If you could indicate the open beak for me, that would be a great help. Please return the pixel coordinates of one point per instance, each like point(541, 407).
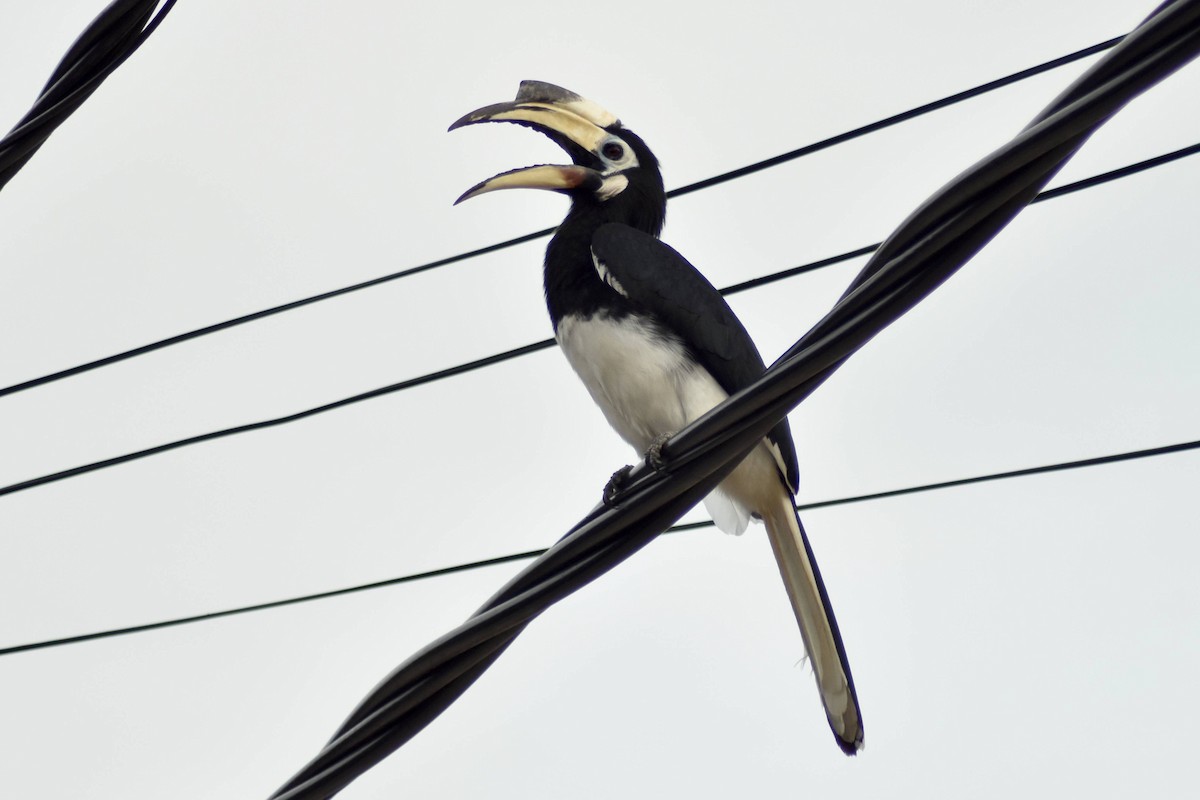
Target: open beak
point(575, 124)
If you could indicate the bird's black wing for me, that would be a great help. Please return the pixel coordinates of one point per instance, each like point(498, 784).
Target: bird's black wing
point(655, 277)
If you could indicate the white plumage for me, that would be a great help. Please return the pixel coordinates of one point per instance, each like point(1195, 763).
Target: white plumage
point(646, 385)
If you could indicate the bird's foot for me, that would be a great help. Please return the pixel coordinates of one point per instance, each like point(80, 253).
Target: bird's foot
point(654, 457)
point(615, 484)
point(654, 453)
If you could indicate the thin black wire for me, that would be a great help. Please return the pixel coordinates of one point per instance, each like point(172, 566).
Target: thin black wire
point(841, 138)
point(171, 623)
point(270, 423)
point(534, 347)
point(930, 246)
point(1063, 466)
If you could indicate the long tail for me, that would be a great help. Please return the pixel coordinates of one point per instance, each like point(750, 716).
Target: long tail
point(818, 627)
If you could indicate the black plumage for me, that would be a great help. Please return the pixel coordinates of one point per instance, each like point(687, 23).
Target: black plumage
point(657, 346)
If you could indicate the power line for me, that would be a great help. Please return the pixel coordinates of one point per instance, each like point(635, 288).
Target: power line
point(534, 347)
point(1114, 458)
point(171, 623)
point(841, 138)
point(1049, 194)
point(111, 38)
point(904, 116)
point(270, 423)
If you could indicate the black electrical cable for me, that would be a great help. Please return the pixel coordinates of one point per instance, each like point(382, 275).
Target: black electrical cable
point(1044, 469)
point(116, 33)
point(919, 256)
point(703, 184)
point(270, 423)
point(534, 347)
point(230, 612)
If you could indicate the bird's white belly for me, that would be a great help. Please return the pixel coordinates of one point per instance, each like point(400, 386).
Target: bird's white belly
point(643, 381)
point(647, 386)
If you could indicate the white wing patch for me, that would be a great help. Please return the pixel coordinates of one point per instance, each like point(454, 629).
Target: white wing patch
point(606, 276)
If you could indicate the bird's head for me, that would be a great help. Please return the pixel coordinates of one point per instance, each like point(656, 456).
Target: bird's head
point(612, 171)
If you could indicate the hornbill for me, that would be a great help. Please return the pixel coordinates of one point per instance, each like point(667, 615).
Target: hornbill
point(657, 346)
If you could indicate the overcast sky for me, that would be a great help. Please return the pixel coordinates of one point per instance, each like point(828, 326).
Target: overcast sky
point(1024, 638)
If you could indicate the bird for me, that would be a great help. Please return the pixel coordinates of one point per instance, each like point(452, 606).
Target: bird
point(657, 346)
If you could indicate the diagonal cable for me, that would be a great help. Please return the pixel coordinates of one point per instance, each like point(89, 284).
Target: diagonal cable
point(1044, 469)
point(534, 347)
point(116, 33)
point(774, 161)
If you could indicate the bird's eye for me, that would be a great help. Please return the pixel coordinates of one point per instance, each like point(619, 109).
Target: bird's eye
point(613, 151)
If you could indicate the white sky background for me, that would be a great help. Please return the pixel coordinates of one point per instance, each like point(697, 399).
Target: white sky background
point(1032, 637)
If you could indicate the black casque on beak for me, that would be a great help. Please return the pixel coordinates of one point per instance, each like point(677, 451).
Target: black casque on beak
point(579, 126)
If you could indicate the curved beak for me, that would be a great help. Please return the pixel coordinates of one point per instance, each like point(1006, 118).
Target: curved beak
point(555, 177)
point(573, 123)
